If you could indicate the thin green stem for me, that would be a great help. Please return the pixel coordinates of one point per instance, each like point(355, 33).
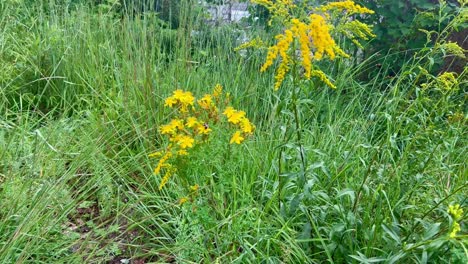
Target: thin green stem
point(297, 120)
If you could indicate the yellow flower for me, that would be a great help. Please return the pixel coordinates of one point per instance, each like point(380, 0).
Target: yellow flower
point(167, 129)
point(170, 170)
point(183, 200)
point(456, 211)
point(262, 2)
point(300, 30)
point(182, 152)
point(237, 138)
point(185, 141)
point(170, 101)
point(187, 99)
point(254, 43)
point(172, 127)
point(206, 102)
point(279, 8)
point(271, 56)
point(184, 98)
point(455, 229)
point(447, 80)
point(229, 111)
point(191, 122)
point(162, 162)
point(321, 75)
point(283, 47)
point(319, 32)
point(349, 6)
point(203, 129)
point(236, 117)
point(218, 90)
point(177, 123)
point(156, 154)
point(356, 29)
point(246, 126)
point(194, 188)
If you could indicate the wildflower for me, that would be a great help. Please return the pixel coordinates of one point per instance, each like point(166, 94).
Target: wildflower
point(271, 56)
point(312, 36)
point(452, 48)
point(170, 170)
point(194, 188)
point(457, 213)
point(184, 131)
point(254, 43)
point(237, 138)
point(279, 8)
point(182, 152)
point(203, 129)
point(172, 127)
point(167, 129)
point(185, 98)
point(236, 117)
point(321, 75)
point(185, 141)
point(455, 229)
point(191, 122)
point(218, 90)
point(246, 126)
point(170, 101)
point(162, 162)
point(229, 111)
point(447, 80)
point(183, 200)
point(156, 154)
point(350, 7)
point(206, 102)
point(319, 32)
point(283, 47)
point(300, 30)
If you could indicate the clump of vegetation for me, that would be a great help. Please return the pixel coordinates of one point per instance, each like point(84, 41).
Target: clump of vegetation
point(194, 126)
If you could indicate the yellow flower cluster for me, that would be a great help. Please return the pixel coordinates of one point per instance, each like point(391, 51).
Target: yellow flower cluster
point(452, 48)
point(245, 127)
point(355, 30)
point(314, 36)
point(180, 99)
point(445, 82)
point(278, 8)
point(457, 213)
point(254, 43)
point(457, 117)
point(193, 125)
point(350, 7)
point(163, 164)
point(321, 38)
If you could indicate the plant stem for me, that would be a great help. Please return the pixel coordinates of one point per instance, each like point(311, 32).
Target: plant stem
point(297, 122)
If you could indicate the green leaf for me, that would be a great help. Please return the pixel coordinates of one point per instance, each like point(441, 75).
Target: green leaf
point(391, 233)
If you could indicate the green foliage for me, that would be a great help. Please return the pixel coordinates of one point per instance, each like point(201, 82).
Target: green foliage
point(81, 100)
point(399, 28)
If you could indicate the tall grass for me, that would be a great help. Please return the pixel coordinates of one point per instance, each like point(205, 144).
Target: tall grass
point(81, 94)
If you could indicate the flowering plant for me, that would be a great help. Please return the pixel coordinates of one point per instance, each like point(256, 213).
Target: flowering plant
point(307, 36)
point(194, 124)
